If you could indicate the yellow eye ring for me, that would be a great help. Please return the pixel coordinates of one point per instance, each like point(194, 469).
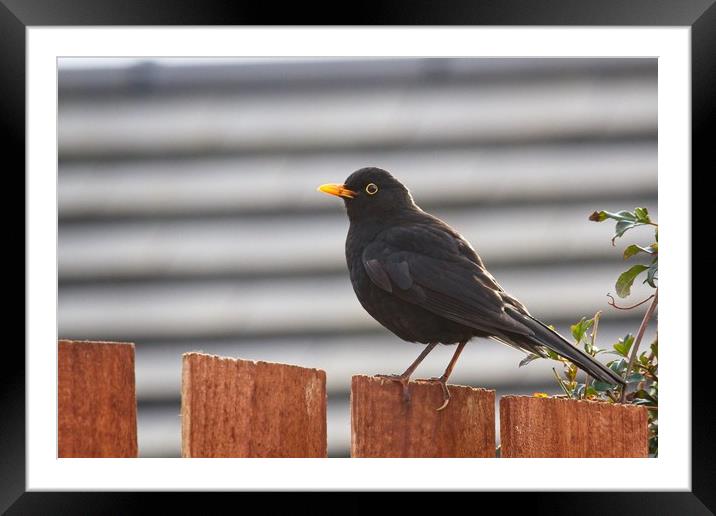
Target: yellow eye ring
point(371, 189)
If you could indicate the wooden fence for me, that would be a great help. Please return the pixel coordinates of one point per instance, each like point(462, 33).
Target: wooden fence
point(96, 405)
point(242, 408)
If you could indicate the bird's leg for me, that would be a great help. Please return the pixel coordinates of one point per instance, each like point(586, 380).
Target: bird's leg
point(405, 377)
point(448, 371)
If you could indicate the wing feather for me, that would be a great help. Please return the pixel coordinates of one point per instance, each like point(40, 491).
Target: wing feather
point(441, 281)
point(377, 274)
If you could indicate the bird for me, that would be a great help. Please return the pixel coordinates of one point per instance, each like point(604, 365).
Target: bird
point(423, 281)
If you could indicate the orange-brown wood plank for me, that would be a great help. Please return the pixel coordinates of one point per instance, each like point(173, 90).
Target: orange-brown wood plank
point(383, 424)
point(96, 403)
point(241, 408)
point(559, 427)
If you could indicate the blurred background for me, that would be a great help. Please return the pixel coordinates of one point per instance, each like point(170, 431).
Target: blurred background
point(189, 218)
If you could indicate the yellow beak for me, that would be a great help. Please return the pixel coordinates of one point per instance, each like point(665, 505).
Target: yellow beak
point(336, 189)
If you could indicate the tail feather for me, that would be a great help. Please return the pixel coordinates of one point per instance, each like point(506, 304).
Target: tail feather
point(544, 336)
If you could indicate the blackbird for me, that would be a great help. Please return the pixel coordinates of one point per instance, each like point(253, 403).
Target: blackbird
point(423, 281)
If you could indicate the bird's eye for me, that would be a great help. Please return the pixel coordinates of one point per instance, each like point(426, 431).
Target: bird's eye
point(371, 189)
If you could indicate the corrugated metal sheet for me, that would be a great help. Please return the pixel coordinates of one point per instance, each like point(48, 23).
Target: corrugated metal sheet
point(189, 218)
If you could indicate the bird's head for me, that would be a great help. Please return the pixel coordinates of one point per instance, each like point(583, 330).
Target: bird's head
point(371, 192)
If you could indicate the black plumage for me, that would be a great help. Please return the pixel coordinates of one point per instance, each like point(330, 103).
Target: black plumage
point(423, 281)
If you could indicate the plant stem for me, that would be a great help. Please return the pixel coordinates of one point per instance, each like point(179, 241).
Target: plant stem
point(613, 303)
point(649, 359)
point(637, 342)
point(559, 381)
point(594, 338)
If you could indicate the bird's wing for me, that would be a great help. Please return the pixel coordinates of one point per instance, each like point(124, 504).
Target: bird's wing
point(423, 265)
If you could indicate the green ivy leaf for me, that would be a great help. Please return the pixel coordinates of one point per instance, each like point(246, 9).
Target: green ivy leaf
point(626, 279)
point(643, 395)
point(551, 354)
point(590, 391)
point(598, 216)
point(529, 358)
point(590, 349)
point(636, 249)
point(624, 344)
point(600, 386)
point(580, 329)
point(625, 219)
point(642, 215)
point(636, 378)
point(571, 372)
point(618, 366)
point(622, 227)
point(579, 391)
point(624, 215)
point(652, 274)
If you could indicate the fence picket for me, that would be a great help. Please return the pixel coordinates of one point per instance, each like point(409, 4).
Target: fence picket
point(96, 402)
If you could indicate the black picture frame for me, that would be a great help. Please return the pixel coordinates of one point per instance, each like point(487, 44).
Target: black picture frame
point(700, 15)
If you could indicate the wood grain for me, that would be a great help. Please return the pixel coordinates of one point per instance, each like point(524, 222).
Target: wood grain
point(96, 404)
point(559, 427)
point(383, 424)
point(241, 408)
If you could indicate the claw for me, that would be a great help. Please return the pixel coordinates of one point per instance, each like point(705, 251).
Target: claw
point(446, 392)
point(446, 395)
point(403, 380)
point(445, 404)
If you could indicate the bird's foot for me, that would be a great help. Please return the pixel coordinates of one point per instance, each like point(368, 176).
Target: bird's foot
point(446, 392)
point(402, 379)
